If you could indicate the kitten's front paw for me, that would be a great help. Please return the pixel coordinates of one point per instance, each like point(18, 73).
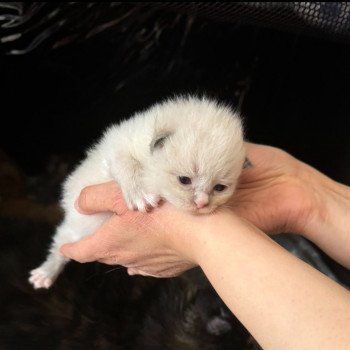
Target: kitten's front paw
point(142, 202)
point(152, 200)
point(40, 279)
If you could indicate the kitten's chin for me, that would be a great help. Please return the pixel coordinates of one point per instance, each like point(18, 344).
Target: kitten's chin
point(192, 208)
point(203, 211)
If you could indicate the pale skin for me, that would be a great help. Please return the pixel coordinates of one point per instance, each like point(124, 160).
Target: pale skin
point(283, 302)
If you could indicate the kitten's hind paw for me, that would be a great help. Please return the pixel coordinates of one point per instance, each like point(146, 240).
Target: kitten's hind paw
point(39, 279)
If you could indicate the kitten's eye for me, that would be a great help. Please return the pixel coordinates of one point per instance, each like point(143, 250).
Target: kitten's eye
point(219, 187)
point(185, 180)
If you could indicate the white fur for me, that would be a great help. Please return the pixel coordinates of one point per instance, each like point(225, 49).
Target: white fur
point(202, 140)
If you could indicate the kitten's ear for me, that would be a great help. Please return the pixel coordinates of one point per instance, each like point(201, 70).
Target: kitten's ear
point(247, 164)
point(158, 141)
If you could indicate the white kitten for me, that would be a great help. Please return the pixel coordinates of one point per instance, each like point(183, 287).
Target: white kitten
point(187, 151)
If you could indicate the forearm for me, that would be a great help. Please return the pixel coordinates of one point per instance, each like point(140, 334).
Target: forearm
point(282, 301)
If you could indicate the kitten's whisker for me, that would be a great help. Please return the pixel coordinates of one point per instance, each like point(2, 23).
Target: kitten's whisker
point(111, 270)
point(116, 268)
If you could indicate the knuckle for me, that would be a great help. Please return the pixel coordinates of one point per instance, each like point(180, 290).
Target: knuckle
point(119, 258)
point(118, 205)
point(127, 259)
point(108, 254)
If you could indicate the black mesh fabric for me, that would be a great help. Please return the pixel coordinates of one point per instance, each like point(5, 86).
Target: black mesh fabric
point(319, 18)
point(25, 26)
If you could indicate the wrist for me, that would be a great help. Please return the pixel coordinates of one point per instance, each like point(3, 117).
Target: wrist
point(328, 226)
point(189, 234)
point(331, 203)
point(182, 232)
point(210, 232)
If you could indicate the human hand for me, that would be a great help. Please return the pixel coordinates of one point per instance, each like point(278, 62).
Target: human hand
point(271, 194)
point(142, 242)
point(276, 192)
point(282, 194)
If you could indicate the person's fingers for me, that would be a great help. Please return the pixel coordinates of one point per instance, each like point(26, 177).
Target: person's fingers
point(93, 247)
point(82, 251)
point(101, 198)
point(160, 270)
point(133, 271)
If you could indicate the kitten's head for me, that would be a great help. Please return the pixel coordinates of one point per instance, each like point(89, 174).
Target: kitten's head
point(197, 164)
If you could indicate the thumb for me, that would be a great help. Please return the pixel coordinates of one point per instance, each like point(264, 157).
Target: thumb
point(82, 251)
point(94, 246)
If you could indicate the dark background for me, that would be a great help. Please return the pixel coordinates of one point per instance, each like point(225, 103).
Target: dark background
point(292, 89)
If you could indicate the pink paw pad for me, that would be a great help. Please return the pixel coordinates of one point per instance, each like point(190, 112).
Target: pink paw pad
point(39, 279)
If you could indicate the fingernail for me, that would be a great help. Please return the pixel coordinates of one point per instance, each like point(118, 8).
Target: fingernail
point(77, 208)
point(131, 272)
point(76, 205)
point(61, 250)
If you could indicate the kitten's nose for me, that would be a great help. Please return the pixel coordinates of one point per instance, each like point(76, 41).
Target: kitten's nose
point(201, 200)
